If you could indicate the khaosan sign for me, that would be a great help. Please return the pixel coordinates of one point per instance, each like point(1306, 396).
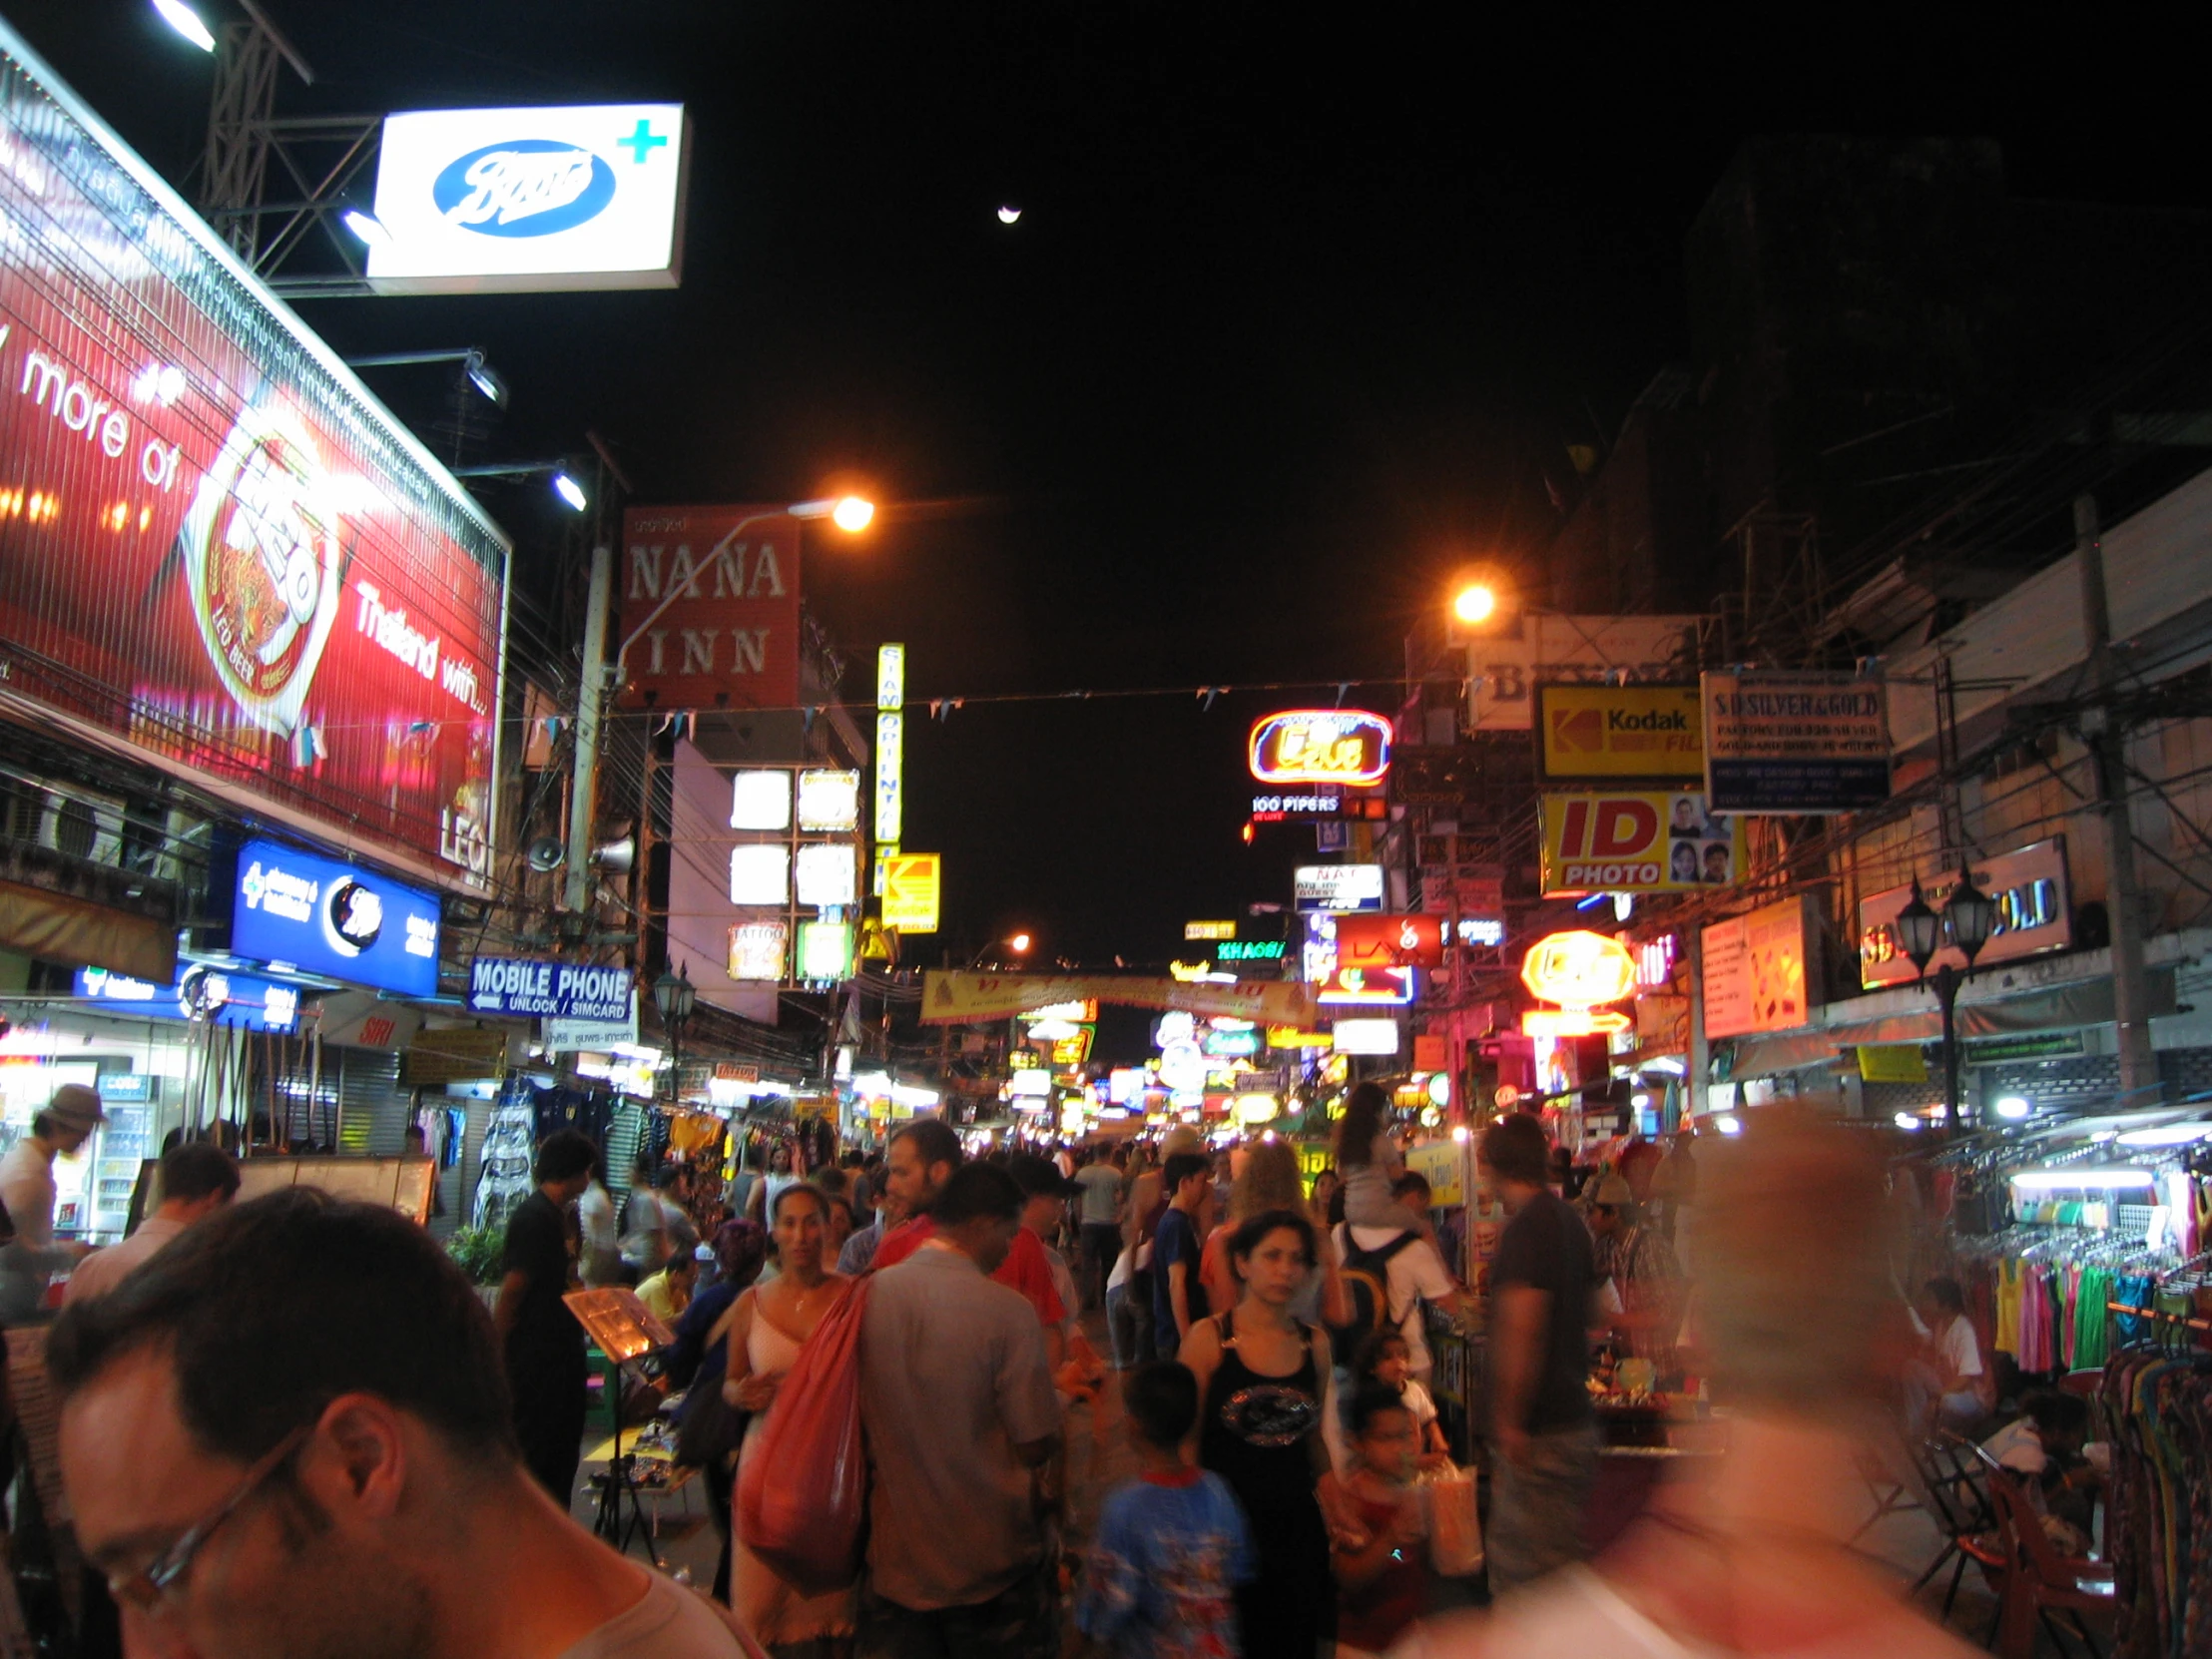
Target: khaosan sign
point(216, 551)
point(2028, 887)
point(523, 987)
point(1656, 840)
point(729, 637)
point(1796, 743)
point(517, 201)
point(1344, 747)
point(1606, 733)
point(297, 910)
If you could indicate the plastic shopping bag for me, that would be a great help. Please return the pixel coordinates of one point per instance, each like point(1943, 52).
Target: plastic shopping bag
point(802, 1500)
point(1454, 1528)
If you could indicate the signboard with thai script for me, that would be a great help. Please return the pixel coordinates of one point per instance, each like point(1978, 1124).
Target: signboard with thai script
point(729, 638)
point(200, 991)
point(1594, 734)
point(217, 550)
point(1651, 841)
point(530, 989)
point(1796, 743)
point(516, 200)
point(573, 1036)
point(2028, 887)
point(956, 998)
point(1761, 971)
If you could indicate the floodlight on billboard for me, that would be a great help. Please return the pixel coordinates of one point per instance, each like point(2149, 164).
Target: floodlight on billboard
point(517, 201)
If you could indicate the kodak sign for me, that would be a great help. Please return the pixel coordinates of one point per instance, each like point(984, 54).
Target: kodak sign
point(1597, 732)
point(1658, 840)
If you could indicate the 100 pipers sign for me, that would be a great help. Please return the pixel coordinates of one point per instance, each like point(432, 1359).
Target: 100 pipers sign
point(214, 549)
point(729, 635)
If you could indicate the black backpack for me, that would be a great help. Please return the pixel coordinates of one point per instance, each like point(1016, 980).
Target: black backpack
point(1366, 1282)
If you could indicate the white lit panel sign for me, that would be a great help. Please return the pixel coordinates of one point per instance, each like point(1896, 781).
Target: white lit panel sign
point(1339, 886)
point(829, 800)
point(519, 201)
point(761, 801)
point(1364, 1036)
point(760, 875)
point(829, 874)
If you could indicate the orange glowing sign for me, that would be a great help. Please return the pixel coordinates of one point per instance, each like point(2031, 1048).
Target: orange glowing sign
point(1572, 1022)
point(1321, 745)
point(1579, 969)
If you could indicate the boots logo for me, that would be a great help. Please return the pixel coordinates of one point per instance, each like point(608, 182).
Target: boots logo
point(261, 553)
point(524, 188)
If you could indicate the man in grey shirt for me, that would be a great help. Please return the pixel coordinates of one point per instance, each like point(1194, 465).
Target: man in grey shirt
point(957, 1399)
point(285, 1434)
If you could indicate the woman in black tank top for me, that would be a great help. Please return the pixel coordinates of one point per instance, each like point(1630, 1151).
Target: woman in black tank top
point(1264, 1377)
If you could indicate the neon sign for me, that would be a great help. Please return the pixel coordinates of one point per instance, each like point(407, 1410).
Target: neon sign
point(1321, 745)
point(1580, 971)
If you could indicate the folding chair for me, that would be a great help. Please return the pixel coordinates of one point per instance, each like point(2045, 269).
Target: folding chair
point(2041, 1581)
point(1957, 1498)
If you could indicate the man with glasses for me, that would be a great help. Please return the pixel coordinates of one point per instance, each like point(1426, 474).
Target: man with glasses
point(288, 1433)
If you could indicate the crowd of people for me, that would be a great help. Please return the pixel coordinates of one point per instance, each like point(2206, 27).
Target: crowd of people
point(291, 1426)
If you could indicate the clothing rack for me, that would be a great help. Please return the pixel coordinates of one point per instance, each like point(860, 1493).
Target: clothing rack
point(2159, 1316)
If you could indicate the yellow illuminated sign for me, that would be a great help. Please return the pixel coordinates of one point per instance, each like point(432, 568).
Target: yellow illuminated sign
point(1608, 732)
point(1290, 1037)
point(1572, 1022)
point(1579, 969)
point(1209, 930)
point(913, 888)
point(1321, 745)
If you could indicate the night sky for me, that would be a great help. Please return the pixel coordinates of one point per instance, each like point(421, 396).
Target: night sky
point(1296, 318)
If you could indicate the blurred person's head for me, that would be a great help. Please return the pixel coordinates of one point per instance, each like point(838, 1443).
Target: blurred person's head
point(1270, 1181)
point(564, 1164)
point(1940, 1302)
point(1797, 1317)
point(1383, 1356)
point(922, 1157)
point(1517, 1158)
point(979, 1212)
point(1273, 1255)
point(66, 1121)
point(1189, 1180)
point(1365, 1109)
point(741, 1251)
point(1380, 1432)
point(198, 1177)
point(780, 1158)
point(682, 1270)
point(1613, 1208)
point(1412, 1192)
point(1637, 1164)
point(798, 1221)
point(1044, 1192)
point(2061, 1420)
point(1161, 1400)
point(325, 1363)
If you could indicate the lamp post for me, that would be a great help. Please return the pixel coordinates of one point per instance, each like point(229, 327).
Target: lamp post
point(674, 996)
point(1964, 923)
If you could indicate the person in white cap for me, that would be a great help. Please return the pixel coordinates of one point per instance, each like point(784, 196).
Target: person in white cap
point(27, 1190)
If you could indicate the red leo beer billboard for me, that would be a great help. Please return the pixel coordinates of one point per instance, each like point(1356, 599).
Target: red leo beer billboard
point(214, 549)
point(716, 592)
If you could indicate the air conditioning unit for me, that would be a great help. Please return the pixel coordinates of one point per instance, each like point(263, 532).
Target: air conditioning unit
point(82, 824)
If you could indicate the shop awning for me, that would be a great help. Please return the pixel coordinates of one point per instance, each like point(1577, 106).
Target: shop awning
point(82, 935)
point(2058, 995)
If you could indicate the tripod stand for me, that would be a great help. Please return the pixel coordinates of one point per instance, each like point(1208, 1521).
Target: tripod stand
point(609, 1520)
point(626, 1332)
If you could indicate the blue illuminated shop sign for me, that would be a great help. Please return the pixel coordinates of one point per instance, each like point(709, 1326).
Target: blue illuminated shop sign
point(221, 996)
point(297, 910)
point(526, 987)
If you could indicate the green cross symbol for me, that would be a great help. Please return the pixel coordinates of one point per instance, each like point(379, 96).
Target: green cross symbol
point(643, 142)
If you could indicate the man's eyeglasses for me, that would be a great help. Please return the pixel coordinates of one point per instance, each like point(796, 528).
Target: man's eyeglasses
point(1602, 1208)
point(161, 1576)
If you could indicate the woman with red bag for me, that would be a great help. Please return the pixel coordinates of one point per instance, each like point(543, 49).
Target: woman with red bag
point(769, 1323)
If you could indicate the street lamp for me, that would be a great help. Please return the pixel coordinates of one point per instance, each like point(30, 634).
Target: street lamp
point(1964, 923)
point(186, 22)
point(1479, 595)
point(1018, 943)
point(481, 375)
point(674, 996)
point(564, 483)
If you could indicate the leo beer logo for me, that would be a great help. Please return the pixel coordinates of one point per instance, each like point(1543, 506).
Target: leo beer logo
point(261, 557)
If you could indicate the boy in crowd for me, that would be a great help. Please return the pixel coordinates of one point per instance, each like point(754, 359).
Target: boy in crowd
point(1171, 1545)
point(1382, 1570)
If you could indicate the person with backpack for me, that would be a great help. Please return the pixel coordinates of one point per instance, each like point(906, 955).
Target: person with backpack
point(1386, 1273)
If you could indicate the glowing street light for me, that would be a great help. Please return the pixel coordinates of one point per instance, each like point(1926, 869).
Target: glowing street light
point(570, 491)
point(366, 227)
point(1476, 602)
point(850, 513)
point(186, 22)
point(1019, 944)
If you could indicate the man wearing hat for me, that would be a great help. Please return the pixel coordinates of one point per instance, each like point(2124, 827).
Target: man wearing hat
point(1643, 1270)
point(27, 1190)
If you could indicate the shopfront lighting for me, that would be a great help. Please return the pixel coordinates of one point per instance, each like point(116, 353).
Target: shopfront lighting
point(2083, 1180)
point(186, 22)
point(570, 491)
point(1906, 1120)
point(2011, 1106)
point(2168, 1134)
point(366, 227)
point(1729, 1125)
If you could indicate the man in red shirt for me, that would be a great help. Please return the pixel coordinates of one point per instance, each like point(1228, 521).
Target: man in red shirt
point(920, 1159)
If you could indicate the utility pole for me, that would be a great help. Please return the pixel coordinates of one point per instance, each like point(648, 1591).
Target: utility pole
point(2108, 750)
point(591, 687)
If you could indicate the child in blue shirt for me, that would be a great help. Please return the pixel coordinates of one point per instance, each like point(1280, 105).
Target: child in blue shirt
point(1171, 1545)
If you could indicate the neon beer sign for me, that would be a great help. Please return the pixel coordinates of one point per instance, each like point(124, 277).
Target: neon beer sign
point(1321, 745)
point(1580, 971)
